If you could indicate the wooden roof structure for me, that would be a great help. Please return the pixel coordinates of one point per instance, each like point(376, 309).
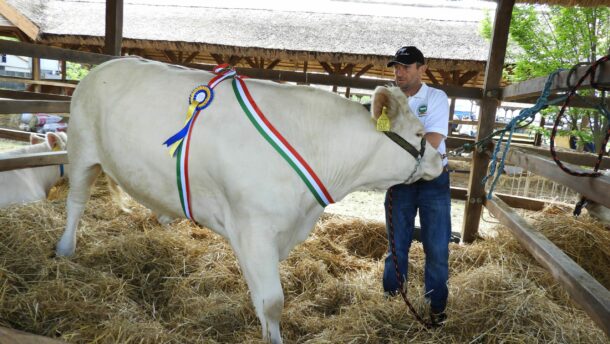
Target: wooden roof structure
point(315, 42)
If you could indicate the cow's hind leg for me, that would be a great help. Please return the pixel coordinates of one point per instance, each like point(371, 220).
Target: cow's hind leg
point(259, 262)
point(81, 179)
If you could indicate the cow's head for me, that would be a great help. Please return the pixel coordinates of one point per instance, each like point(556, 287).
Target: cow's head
point(51, 142)
point(407, 126)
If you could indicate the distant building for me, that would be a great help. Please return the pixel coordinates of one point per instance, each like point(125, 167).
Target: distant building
point(21, 67)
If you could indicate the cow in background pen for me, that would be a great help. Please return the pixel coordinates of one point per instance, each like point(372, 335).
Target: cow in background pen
point(31, 184)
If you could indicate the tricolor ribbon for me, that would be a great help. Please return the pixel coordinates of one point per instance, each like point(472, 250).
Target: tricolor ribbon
point(280, 144)
point(200, 98)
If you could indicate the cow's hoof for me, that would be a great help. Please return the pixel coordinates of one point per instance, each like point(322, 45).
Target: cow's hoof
point(64, 249)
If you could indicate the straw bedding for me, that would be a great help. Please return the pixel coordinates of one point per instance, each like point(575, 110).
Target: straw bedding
point(134, 281)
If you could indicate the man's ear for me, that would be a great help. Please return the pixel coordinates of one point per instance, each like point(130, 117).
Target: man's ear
point(36, 139)
point(383, 97)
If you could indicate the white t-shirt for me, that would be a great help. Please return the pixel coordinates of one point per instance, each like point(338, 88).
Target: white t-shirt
point(431, 106)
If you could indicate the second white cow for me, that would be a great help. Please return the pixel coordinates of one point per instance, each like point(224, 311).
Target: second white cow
point(241, 187)
point(31, 184)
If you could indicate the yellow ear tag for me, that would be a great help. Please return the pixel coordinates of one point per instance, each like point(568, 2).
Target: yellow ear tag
point(383, 122)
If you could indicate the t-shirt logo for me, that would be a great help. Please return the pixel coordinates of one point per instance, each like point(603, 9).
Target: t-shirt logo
point(422, 110)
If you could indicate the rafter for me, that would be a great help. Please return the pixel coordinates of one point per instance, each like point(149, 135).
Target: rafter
point(467, 76)
point(432, 77)
point(363, 70)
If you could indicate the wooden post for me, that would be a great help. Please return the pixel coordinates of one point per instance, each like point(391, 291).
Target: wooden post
point(114, 27)
point(64, 76)
point(538, 136)
point(487, 118)
point(36, 73)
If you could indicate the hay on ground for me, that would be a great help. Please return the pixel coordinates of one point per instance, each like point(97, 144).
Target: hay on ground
point(134, 281)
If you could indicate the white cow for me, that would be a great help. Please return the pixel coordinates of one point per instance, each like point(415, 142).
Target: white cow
point(31, 184)
point(124, 110)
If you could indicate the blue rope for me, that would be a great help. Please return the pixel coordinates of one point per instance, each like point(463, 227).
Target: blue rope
point(496, 167)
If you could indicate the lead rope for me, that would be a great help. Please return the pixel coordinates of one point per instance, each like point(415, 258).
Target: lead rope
point(601, 108)
point(403, 293)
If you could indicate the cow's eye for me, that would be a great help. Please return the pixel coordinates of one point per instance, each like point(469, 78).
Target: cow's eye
point(420, 134)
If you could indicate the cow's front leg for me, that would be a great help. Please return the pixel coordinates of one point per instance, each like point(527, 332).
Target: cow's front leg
point(258, 258)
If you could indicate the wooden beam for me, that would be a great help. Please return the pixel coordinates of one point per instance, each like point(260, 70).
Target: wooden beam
point(363, 70)
point(572, 157)
point(582, 287)
point(432, 77)
point(586, 102)
point(31, 95)
point(487, 118)
point(340, 80)
point(453, 142)
point(171, 56)
point(234, 60)
point(526, 203)
point(19, 20)
point(16, 135)
point(496, 124)
point(218, 58)
point(46, 106)
point(533, 87)
point(190, 58)
point(251, 62)
point(273, 64)
point(594, 188)
point(114, 27)
point(467, 77)
point(37, 50)
point(33, 160)
point(446, 77)
point(327, 68)
point(36, 82)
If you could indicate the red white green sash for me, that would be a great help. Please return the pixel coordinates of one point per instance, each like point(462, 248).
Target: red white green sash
point(201, 98)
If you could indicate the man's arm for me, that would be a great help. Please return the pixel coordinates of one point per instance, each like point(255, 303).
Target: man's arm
point(435, 139)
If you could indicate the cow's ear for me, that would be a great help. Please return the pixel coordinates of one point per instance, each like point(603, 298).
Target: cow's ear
point(36, 139)
point(383, 97)
point(54, 141)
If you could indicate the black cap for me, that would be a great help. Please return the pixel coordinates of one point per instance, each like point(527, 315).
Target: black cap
point(407, 56)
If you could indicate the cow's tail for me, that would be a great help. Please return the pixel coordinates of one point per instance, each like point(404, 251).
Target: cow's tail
point(118, 195)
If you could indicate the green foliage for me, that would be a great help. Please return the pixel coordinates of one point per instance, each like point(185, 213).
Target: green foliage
point(549, 38)
point(543, 39)
point(7, 38)
point(76, 71)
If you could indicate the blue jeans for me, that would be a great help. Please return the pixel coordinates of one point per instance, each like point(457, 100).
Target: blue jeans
point(433, 200)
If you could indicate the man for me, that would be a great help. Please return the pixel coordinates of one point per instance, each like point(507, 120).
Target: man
point(431, 198)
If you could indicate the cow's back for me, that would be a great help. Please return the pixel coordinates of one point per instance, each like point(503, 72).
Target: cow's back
point(125, 109)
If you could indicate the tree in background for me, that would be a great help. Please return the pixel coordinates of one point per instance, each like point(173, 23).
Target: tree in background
point(546, 38)
point(76, 71)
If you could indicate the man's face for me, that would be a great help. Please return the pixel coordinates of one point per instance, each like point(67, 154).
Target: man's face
point(408, 76)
